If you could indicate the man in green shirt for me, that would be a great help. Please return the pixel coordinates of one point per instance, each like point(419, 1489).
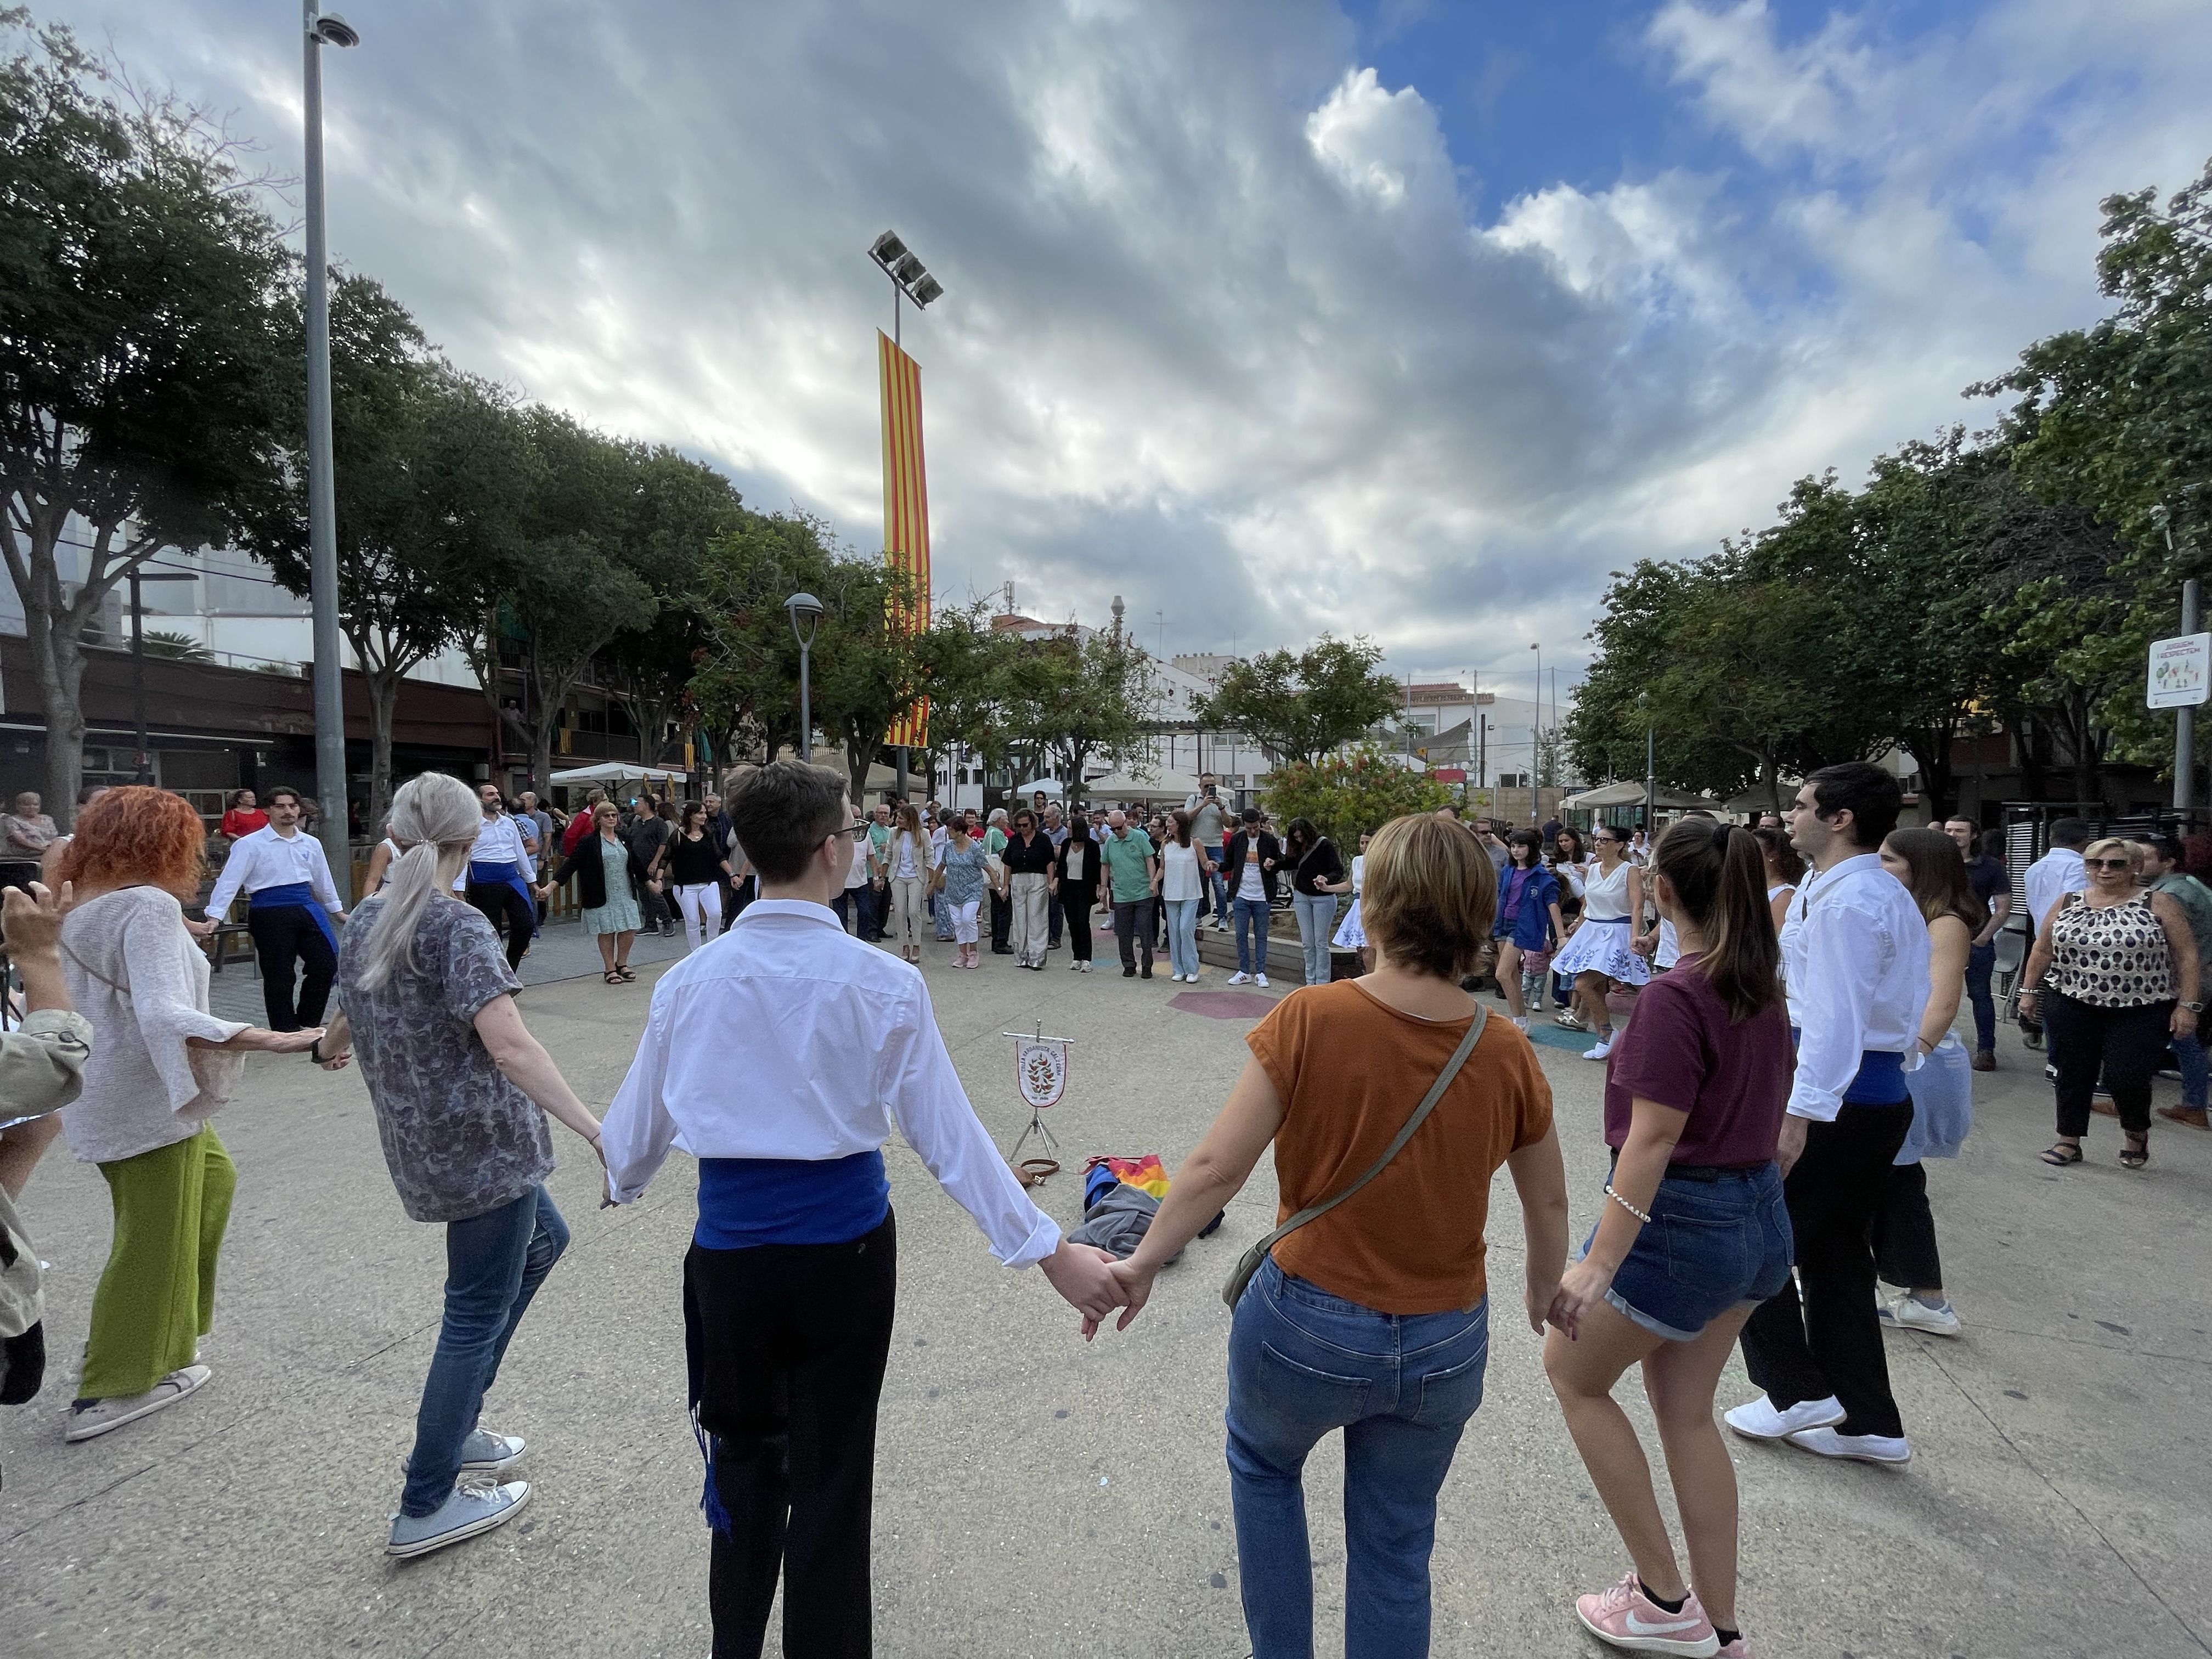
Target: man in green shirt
point(2161, 870)
point(1132, 874)
point(879, 873)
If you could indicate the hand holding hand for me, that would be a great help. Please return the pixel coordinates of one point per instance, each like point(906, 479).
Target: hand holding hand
point(200, 929)
point(1079, 1272)
point(1792, 1144)
point(1578, 1290)
point(32, 921)
point(254, 1039)
point(1135, 1284)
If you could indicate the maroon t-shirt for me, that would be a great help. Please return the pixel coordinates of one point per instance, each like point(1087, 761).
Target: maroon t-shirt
point(1681, 1051)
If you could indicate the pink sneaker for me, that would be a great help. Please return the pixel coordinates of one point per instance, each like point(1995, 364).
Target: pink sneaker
point(1738, 1648)
point(1623, 1617)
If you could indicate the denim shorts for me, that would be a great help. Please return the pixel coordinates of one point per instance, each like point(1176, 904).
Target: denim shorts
point(1709, 1246)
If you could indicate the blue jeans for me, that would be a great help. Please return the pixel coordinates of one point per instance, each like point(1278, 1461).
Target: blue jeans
point(1252, 915)
point(2195, 1069)
point(1301, 1363)
point(1981, 962)
point(494, 1263)
point(1220, 886)
point(1316, 914)
point(1182, 935)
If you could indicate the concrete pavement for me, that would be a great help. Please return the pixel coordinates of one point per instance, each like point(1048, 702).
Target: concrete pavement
point(1038, 1496)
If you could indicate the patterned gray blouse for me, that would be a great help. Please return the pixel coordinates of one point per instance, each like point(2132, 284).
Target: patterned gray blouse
point(460, 1138)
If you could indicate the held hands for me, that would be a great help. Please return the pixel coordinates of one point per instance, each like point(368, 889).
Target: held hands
point(1080, 1273)
point(255, 1040)
point(1581, 1288)
point(1135, 1285)
point(1791, 1147)
point(200, 929)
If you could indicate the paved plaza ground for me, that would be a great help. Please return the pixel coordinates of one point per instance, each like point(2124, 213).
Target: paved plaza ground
point(1038, 1496)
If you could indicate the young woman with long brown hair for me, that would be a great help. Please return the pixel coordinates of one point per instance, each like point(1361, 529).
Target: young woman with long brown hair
point(1693, 1234)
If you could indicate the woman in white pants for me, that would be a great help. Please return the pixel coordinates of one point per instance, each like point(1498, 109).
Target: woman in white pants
point(909, 863)
point(699, 869)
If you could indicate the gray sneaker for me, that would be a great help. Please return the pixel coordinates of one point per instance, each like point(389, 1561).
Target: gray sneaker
point(96, 1418)
point(476, 1504)
point(486, 1453)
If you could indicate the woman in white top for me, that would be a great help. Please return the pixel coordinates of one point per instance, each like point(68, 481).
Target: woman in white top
point(1606, 947)
point(161, 1064)
point(909, 861)
point(1350, 935)
point(1785, 868)
point(1186, 874)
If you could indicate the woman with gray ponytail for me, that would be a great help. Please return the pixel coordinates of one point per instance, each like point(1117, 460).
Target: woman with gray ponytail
point(1692, 1234)
point(461, 1091)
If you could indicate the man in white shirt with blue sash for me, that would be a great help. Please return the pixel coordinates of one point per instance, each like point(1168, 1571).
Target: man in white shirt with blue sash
point(500, 870)
point(286, 882)
point(1855, 964)
point(777, 1053)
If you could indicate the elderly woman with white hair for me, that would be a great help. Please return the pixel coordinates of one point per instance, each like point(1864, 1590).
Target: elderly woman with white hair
point(461, 1091)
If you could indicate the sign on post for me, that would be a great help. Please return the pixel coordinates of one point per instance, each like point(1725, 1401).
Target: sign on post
point(2180, 672)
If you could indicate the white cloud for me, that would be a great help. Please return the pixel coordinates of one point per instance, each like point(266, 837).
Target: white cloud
point(1218, 333)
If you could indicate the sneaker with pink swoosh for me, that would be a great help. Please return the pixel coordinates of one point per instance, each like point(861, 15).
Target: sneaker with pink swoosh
point(1625, 1617)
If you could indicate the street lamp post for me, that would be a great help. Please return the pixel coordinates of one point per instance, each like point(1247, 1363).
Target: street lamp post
point(142, 769)
point(910, 280)
point(318, 31)
point(1536, 740)
point(805, 616)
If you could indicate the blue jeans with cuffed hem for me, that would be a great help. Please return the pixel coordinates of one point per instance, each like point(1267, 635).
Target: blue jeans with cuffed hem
point(1300, 1364)
point(1251, 919)
point(1981, 963)
point(494, 1263)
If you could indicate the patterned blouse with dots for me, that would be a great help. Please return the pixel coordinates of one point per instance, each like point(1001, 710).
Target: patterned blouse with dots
point(2116, 957)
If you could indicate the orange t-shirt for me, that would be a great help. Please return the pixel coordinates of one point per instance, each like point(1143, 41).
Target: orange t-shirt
point(1350, 1070)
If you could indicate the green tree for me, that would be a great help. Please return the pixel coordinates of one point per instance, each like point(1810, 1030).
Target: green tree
point(1076, 697)
point(1299, 707)
point(146, 328)
point(1344, 794)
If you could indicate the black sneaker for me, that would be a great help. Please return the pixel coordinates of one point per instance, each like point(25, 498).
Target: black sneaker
point(1131, 973)
point(1148, 973)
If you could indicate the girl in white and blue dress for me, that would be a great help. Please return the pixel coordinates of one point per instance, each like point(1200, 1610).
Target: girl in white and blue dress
point(1605, 948)
point(1350, 935)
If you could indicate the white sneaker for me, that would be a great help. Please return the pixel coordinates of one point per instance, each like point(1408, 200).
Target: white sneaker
point(1757, 1420)
point(1604, 1047)
point(1076, 967)
point(1086, 967)
point(1910, 1313)
point(1240, 978)
point(1259, 979)
point(1521, 1023)
point(1860, 1447)
point(90, 1422)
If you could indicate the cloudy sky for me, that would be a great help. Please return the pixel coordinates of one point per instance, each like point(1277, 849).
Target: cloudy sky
point(1272, 316)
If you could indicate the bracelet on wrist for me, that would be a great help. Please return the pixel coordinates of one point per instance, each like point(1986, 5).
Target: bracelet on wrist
point(1641, 1215)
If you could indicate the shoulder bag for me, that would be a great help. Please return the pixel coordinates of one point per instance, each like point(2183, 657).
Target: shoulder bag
point(1249, 1263)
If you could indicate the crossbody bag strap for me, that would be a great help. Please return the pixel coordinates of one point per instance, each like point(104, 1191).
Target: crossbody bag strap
point(1259, 1252)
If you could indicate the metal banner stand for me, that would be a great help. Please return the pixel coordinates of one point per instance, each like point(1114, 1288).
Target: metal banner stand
point(1041, 1074)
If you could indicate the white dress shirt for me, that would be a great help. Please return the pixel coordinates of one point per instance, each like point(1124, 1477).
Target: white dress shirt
point(266, 859)
point(500, 842)
point(1855, 965)
point(789, 1038)
point(2051, 878)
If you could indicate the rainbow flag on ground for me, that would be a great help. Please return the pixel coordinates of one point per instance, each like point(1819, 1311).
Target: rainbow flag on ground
point(1146, 1174)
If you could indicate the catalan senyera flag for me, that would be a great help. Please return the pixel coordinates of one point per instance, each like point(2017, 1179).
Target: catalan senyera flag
point(906, 510)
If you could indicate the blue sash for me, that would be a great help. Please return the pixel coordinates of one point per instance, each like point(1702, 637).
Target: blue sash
point(506, 875)
point(1879, 1080)
point(300, 893)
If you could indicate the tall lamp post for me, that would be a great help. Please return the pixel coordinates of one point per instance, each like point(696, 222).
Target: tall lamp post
point(805, 616)
point(320, 29)
point(142, 769)
point(1536, 738)
point(910, 280)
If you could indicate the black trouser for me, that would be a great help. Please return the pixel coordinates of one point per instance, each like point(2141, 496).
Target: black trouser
point(1002, 919)
point(497, 900)
point(1831, 1343)
point(283, 934)
point(1054, 913)
point(1076, 911)
point(792, 1342)
point(741, 895)
point(1133, 930)
point(1905, 1232)
point(2126, 1044)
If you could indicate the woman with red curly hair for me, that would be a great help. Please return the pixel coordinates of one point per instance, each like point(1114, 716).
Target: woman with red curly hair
point(160, 1065)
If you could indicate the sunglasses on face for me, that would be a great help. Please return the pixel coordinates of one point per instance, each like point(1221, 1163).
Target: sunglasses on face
point(2110, 864)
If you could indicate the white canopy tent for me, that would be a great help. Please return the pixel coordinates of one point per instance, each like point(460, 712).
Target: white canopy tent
point(1176, 787)
point(619, 771)
point(1627, 793)
point(1050, 786)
